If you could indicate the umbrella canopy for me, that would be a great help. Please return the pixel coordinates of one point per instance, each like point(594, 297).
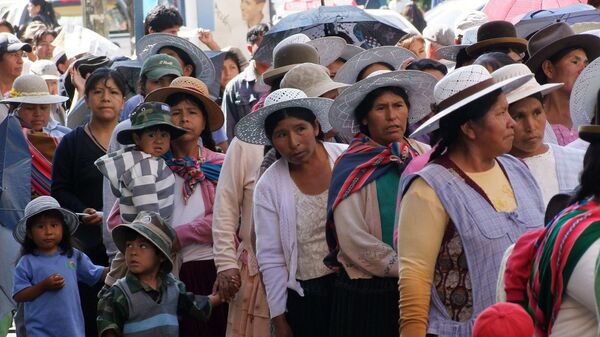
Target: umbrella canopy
point(533, 22)
point(363, 28)
point(217, 58)
point(508, 10)
point(15, 172)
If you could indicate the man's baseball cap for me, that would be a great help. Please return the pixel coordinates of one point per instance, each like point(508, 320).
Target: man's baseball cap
point(159, 65)
point(10, 44)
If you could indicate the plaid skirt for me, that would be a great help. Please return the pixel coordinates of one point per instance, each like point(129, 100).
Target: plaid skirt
point(365, 307)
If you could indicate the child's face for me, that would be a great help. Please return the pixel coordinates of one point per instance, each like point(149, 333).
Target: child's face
point(47, 233)
point(154, 142)
point(141, 257)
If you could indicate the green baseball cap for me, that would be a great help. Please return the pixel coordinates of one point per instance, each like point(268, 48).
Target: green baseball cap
point(146, 115)
point(159, 65)
point(154, 229)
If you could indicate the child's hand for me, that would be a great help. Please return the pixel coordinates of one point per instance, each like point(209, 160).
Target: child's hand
point(54, 282)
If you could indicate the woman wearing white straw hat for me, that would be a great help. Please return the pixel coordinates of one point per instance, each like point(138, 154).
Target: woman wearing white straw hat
point(585, 99)
point(31, 102)
point(362, 197)
point(557, 54)
point(555, 168)
point(472, 201)
point(289, 210)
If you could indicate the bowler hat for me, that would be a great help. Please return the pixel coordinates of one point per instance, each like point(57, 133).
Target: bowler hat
point(496, 34)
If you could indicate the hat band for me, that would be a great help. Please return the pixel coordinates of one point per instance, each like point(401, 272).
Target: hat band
point(459, 96)
point(15, 93)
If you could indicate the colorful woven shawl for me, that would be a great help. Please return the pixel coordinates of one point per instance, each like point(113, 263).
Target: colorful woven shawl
point(557, 252)
point(363, 162)
point(42, 148)
point(194, 171)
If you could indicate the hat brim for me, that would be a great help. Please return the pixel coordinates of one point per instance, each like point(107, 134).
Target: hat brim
point(542, 89)
point(417, 84)
point(589, 43)
point(125, 136)
point(151, 44)
point(271, 75)
point(393, 56)
point(46, 99)
point(449, 52)
point(71, 221)
point(589, 133)
point(584, 95)
point(50, 77)
point(213, 111)
point(251, 128)
point(118, 236)
point(350, 51)
point(515, 43)
point(330, 48)
point(324, 88)
point(19, 46)
point(508, 85)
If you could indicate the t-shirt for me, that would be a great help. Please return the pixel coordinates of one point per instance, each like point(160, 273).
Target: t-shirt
point(543, 169)
point(55, 312)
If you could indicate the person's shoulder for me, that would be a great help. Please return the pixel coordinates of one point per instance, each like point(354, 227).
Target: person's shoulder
point(212, 155)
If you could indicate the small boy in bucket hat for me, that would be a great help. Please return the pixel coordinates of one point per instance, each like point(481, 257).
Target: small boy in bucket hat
point(138, 175)
point(149, 299)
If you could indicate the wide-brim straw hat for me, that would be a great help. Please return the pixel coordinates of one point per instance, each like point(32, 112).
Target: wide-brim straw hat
point(311, 78)
point(418, 86)
point(194, 87)
point(287, 57)
point(584, 95)
point(153, 228)
point(39, 205)
point(496, 34)
point(251, 128)
point(330, 48)
point(461, 87)
point(530, 87)
point(554, 38)
point(32, 89)
point(450, 52)
point(393, 56)
point(151, 44)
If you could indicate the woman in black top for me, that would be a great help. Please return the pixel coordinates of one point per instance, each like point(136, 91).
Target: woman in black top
point(77, 184)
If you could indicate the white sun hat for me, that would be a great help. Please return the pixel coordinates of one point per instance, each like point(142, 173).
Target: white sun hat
point(311, 78)
point(529, 88)
point(394, 56)
point(32, 89)
point(45, 69)
point(461, 87)
point(584, 95)
point(251, 128)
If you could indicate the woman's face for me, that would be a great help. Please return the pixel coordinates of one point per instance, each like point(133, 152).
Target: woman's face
point(567, 69)
point(495, 132)
point(105, 100)
point(34, 116)
point(189, 116)
point(530, 122)
point(33, 10)
point(295, 139)
point(230, 70)
point(387, 119)
point(418, 48)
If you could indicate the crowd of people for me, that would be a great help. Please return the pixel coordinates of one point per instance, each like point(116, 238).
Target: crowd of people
point(445, 186)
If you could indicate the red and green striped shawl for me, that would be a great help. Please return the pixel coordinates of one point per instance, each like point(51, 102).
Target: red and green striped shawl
point(556, 254)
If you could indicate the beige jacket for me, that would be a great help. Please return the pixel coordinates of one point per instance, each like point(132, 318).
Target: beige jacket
point(232, 211)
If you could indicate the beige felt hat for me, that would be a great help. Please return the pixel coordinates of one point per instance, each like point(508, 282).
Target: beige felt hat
point(288, 56)
point(311, 78)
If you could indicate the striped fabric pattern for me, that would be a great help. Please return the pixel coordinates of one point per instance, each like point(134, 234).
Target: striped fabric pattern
point(41, 165)
point(362, 163)
point(140, 181)
point(557, 253)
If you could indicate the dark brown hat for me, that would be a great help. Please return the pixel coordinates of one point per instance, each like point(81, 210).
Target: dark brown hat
point(496, 34)
point(554, 38)
point(289, 56)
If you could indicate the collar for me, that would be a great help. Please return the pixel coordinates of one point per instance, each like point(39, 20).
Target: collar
point(249, 74)
point(136, 285)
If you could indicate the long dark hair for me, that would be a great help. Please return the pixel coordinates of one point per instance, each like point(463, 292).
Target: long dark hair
point(362, 110)
point(105, 74)
point(589, 181)
point(29, 247)
point(449, 131)
point(46, 10)
point(206, 135)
